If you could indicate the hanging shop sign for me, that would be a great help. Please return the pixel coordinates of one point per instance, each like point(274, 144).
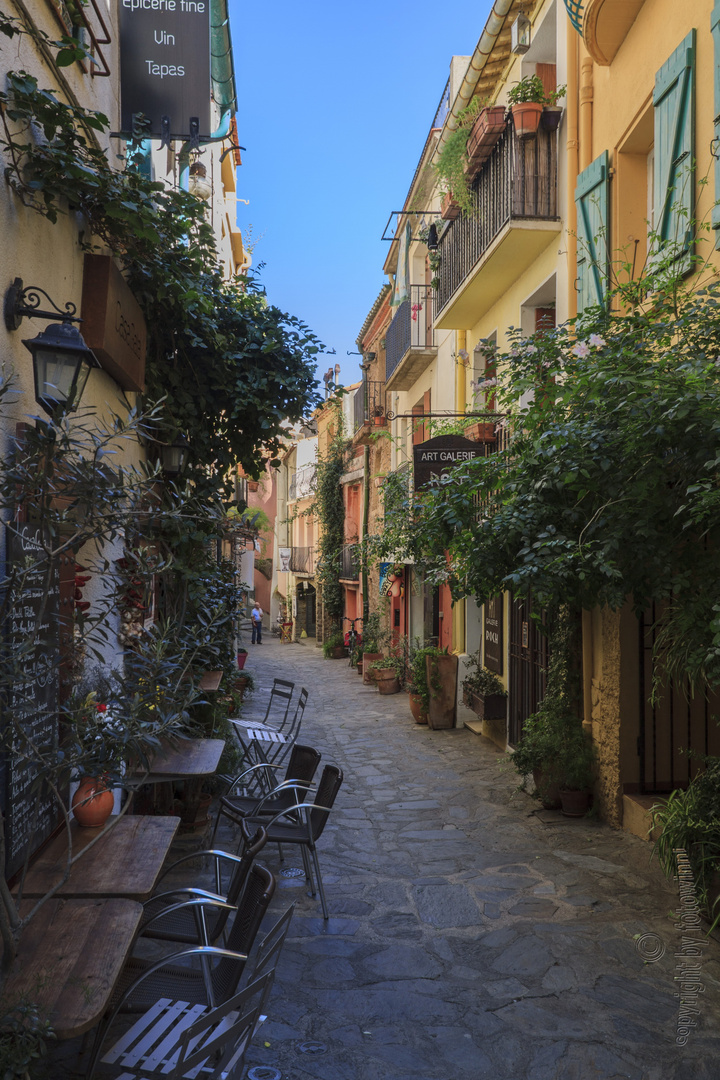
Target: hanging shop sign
point(165, 66)
point(433, 459)
point(113, 323)
point(493, 635)
point(285, 554)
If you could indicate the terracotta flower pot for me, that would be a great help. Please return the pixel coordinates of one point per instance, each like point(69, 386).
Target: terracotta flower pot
point(486, 131)
point(92, 803)
point(387, 681)
point(547, 789)
point(418, 709)
point(526, 118)
point(241, 658)
point(449, 209)
point(442, 670)
point(368, 659)
point(483, 431)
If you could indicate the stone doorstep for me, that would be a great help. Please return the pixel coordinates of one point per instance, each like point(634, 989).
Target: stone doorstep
point(636, 814)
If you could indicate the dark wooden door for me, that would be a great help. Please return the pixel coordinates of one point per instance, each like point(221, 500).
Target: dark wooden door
point(528, 667)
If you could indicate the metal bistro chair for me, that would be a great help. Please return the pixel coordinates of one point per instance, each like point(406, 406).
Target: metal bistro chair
point(277, 754)
point(305, 824)
point(176, 1040)
point(301, 769)
point(161, 1042)
point(282, 691)
point(167, 918)
point(142, 983)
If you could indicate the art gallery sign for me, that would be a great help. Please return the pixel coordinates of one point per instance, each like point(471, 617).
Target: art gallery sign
point(165, 66)
point(433, 459)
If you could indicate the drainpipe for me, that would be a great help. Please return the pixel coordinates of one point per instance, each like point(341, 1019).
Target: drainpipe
point(573, 44)
point(586, 112)
point(459, 612)
point(478, 60)
point(217, 136)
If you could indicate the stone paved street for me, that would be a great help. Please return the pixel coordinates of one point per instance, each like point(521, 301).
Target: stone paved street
point(467, 938)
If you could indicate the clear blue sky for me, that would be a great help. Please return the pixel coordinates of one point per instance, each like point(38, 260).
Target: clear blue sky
point(335, 102)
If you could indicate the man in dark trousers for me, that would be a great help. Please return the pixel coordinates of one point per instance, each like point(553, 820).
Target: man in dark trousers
point(256, 616)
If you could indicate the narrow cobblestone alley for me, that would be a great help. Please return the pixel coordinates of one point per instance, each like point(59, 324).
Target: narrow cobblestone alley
point(467, 939)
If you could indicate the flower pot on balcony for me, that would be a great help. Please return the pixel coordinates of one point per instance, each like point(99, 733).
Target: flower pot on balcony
point(551, 117)
point(526, 118)
point(486, 131)
point(253, 485)
point(379, 421)
point(449, 209)
point(483, 431)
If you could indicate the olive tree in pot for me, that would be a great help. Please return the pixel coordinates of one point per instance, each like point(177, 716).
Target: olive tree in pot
point(441, 669)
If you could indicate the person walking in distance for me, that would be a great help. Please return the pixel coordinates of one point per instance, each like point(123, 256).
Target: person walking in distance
point(256, 616)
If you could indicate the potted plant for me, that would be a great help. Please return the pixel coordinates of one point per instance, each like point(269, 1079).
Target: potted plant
point(527, 99)
point(689, 820)
point(449, 208)
point(334, 646)
point(485, 132)
point(93, 801)
point(484, 693)
point(372, 637)
point(576, 768)
point(552, 113)
point(441, 669)
point(416, 683)
point(389, 674)
point(481, 431)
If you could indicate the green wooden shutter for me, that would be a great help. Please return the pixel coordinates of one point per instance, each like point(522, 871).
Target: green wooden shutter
point(715, 29)
point(674, 101)
point(592, 198)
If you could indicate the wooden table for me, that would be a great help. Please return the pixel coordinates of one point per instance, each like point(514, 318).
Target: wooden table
point(70, 957)
point(178, 761)
point(126, 862)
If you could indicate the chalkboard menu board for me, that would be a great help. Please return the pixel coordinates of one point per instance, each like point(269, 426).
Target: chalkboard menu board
point(494, 644)
point(31, 634)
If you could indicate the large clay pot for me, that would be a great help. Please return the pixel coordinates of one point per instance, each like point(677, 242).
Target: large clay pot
point(575, 803)
point(92, 803)
point(387, 681)
point(418, 709)
point(547, 788)
point(368, 659)
point(442, 670)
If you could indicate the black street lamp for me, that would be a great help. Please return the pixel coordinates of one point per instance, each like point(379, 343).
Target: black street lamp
point(61, 360)
point(173, 456)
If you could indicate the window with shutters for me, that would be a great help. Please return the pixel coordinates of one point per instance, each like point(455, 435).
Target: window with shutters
point(592, 200)
point(674, 124)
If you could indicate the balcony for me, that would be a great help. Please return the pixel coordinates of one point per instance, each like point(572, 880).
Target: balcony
point(302, 483)
point(604, 25)
point(350, 568)
point(514, 219)
point(302, 560)
point(369, 409)
point(410, 340)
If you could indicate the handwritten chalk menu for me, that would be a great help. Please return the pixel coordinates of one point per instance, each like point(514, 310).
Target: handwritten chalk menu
point(32, 635)
point(165, 65)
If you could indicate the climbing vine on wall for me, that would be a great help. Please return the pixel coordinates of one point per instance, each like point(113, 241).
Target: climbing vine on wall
point(330, 509)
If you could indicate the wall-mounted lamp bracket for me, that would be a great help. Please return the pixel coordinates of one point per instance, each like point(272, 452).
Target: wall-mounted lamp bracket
point(21, 303)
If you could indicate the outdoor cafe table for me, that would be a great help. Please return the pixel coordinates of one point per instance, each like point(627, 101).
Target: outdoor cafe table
point(180, 761)
point(69, 958)
point(126, 862)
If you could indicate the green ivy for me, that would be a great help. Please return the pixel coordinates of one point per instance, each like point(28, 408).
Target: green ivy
point(330, 509)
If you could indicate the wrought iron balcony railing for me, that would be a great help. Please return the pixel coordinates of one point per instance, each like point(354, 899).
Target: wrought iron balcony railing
point(369, 403)
point(302, 483)
point(518, 181)
point(351, 562)
point(302, 560)
point(411, 328)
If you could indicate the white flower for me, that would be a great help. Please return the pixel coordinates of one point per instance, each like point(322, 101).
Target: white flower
point(486, 384)
point(531, 349)
point(597, 341)
point(582, 349)
point(463, 354)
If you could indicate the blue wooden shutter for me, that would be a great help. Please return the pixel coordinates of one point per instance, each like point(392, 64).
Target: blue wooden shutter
point(715, 29)
point(592, 199)
point(674, 101)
